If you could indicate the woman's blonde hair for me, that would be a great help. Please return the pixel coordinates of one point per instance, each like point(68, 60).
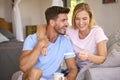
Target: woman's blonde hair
point(83, 7)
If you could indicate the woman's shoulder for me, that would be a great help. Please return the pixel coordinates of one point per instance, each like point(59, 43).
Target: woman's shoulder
point(96, 28)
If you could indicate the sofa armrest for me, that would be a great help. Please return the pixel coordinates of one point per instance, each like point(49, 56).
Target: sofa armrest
point(103, 74)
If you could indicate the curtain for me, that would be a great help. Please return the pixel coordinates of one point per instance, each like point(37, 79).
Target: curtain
point(57, 3)
point(16, 20)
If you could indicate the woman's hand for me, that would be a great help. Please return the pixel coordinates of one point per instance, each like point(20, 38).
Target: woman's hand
point(44, 42)
point(44, 51)
point(83, 55)
point(41, 30)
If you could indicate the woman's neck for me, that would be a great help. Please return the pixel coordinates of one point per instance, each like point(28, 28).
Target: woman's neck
point(83, 34)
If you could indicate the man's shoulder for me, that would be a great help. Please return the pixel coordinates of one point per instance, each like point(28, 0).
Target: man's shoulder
point(32, 36)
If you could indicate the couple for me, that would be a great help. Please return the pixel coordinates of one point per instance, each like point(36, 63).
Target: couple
point(44, 51)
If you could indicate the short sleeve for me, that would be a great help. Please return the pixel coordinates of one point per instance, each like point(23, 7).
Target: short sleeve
point(29, 42)
point(69, 50)
point(100, 35)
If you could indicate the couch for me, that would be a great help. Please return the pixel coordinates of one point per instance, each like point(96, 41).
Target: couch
point(109, 70)
point(10, 51)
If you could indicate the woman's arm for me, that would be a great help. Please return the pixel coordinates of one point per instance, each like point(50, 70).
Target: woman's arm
point(97, 59)
point(102, 53)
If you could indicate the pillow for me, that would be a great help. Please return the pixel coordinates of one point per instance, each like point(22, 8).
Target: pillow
point(113, 38)
point(113, 59)
point(115, 46)
point(7, 33)
point(3, 38)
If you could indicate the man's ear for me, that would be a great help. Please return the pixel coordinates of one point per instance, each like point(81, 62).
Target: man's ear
point(52, 22)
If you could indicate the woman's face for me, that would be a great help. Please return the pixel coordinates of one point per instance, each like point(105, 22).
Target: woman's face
point(82, 20)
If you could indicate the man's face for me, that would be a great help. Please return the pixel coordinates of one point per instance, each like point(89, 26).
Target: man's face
point(61, 24)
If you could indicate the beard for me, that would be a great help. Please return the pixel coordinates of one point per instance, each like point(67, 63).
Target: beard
point(61, 31)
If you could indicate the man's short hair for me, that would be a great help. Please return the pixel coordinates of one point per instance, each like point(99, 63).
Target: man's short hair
point(53, 12)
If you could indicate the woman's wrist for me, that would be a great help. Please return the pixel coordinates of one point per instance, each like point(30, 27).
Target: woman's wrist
point(88, 56)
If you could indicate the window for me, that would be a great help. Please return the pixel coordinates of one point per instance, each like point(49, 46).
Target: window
point(73, 3)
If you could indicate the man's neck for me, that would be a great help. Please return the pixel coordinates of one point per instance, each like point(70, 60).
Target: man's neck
point(51, 34)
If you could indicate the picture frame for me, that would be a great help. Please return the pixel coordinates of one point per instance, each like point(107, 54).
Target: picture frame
point(108, 1)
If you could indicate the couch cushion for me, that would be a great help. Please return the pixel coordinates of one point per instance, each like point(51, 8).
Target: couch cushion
point(7, 33)
point(113, 38)
point(113, 59)
point(103, 74)
point(15, 75)
point(115, 46)
point(3, 38)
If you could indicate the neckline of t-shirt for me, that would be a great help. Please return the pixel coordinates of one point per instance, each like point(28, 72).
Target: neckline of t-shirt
point(91, 31)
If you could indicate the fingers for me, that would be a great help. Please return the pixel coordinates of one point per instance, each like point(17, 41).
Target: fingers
point(44, 41)
point(83, 55)
point(44, 51)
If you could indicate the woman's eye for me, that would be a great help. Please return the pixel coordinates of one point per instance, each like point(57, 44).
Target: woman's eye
point(77, 19)
point(85, 18)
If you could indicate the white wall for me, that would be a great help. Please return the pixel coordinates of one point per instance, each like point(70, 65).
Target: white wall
point(106, 15)
point(32, 12)
point(1, 9)
point(5, 10)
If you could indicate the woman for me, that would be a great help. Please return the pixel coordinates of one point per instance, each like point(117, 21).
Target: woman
point(88, 39)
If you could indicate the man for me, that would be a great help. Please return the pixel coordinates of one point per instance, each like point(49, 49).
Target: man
point(34, 63)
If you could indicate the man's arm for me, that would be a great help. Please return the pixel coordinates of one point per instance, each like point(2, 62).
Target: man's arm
point(72, 67)
point(30, 57)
